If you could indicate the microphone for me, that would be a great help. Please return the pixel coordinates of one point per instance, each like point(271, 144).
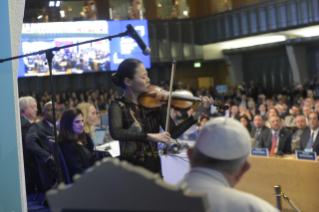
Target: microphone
point(132, 32)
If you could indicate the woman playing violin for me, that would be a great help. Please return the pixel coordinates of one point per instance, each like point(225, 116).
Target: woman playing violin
point(137, 127)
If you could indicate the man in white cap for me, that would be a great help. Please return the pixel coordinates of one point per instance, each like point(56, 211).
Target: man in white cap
point(218, 161)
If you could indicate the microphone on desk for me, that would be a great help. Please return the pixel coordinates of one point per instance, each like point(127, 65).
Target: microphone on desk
point(132, 32)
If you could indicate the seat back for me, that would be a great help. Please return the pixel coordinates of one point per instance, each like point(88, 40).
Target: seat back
point(63, 167)
point(112, 185)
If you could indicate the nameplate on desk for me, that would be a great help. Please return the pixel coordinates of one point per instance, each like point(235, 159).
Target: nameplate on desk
point(300, 155)
point(259, 152)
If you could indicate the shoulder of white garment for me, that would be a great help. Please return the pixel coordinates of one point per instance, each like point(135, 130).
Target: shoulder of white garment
point(223, 198)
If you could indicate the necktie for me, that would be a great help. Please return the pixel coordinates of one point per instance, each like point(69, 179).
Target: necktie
point(273, 144)
point(256, 133)
point(291, 120)
point(310, 142)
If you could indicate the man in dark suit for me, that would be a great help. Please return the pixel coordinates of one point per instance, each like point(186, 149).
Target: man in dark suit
point(276, 139)
point(28, 111)
point(256, 131)
point(301, 125)
point(309, 138)
point(36, 137)
point(235, 112)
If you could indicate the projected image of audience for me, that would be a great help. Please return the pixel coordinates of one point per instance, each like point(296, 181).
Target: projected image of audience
point(80, 59)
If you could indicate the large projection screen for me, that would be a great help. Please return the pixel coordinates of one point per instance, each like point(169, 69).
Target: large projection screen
point(94, 57)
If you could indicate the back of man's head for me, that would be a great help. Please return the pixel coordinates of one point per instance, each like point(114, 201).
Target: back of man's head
point(223, 144)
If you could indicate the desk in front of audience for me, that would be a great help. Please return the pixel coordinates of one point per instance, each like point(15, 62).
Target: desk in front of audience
point(299, 179)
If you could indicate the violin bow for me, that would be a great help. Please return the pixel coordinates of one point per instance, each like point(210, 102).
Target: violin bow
point(167, 125)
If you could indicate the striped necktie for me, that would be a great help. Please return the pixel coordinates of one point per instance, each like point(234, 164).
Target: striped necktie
point(310, 141)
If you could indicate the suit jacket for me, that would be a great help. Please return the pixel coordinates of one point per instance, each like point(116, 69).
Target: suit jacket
point(253, 131)
point(288, 119)
point(31, 169)
point(284, 146)
point(35, 141)
point(304, 138)
point(237, 117)
point(77, 157)
point(25, 126)
point(296, 140)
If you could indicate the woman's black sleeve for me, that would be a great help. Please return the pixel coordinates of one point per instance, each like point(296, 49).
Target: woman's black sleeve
point(176, 130)
point(116, 126)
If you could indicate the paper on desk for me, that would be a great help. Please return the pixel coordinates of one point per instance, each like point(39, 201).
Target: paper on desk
point(114, 148)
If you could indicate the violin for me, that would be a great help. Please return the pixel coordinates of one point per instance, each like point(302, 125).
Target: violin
point(157, 98)
point(181, 99)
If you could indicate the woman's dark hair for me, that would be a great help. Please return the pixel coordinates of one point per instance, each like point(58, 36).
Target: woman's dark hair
point(126, 69)
point(248, 122)
point(275, 110)
point(66, 125)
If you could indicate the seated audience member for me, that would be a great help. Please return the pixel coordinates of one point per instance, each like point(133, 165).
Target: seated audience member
point(89, 117)
point(262, 111)
point(252, 107)
point(317, 106)
point(245, 122)
point(227, 112)
point(78, 158)
point(216, 168)
point(259, 127)
point(290, 120)
point(309, 102)
point(279, 109)
point(28, 111)
point(35, 141)
point(244, 112)
point(234, 112)
point(309, 138)
point(301, 125)
point(274, 112)
point(306, 110)
point(276, 139)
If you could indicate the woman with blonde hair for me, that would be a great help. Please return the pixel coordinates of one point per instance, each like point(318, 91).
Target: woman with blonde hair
point(89, 119)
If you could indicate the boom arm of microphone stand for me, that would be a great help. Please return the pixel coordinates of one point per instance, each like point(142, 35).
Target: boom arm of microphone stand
point(123, 34)
point(49, 55)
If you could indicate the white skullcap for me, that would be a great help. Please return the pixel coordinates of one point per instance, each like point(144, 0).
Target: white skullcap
point(223, 138)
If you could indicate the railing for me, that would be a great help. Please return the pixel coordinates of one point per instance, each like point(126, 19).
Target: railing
point(182, 40)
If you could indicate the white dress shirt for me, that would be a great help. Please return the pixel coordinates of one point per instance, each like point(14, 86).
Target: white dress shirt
point(277, 135)
point(221, 197)
point(315, 134)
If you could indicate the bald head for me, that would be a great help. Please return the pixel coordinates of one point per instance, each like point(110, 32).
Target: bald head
point(48, 112)
point(301, 122)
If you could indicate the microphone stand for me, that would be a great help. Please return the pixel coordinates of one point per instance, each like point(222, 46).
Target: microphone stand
point(49, 55)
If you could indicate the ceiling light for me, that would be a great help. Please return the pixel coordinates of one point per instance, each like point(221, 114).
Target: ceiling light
point(62, 13)
point(40, 16)
point(246, 42)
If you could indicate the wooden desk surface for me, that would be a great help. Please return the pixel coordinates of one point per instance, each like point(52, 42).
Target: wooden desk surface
point(299, 180)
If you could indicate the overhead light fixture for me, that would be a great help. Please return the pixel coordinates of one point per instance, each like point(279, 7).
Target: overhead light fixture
point(40, 16)
point(62, 13)
point(185, 13)
point(246, 42)
point(310, 32)
point(159, 5)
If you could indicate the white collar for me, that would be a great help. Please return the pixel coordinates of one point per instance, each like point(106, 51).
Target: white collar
point(26, 118)
point(211, 173)
point(277, 132)
point(314, 131)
